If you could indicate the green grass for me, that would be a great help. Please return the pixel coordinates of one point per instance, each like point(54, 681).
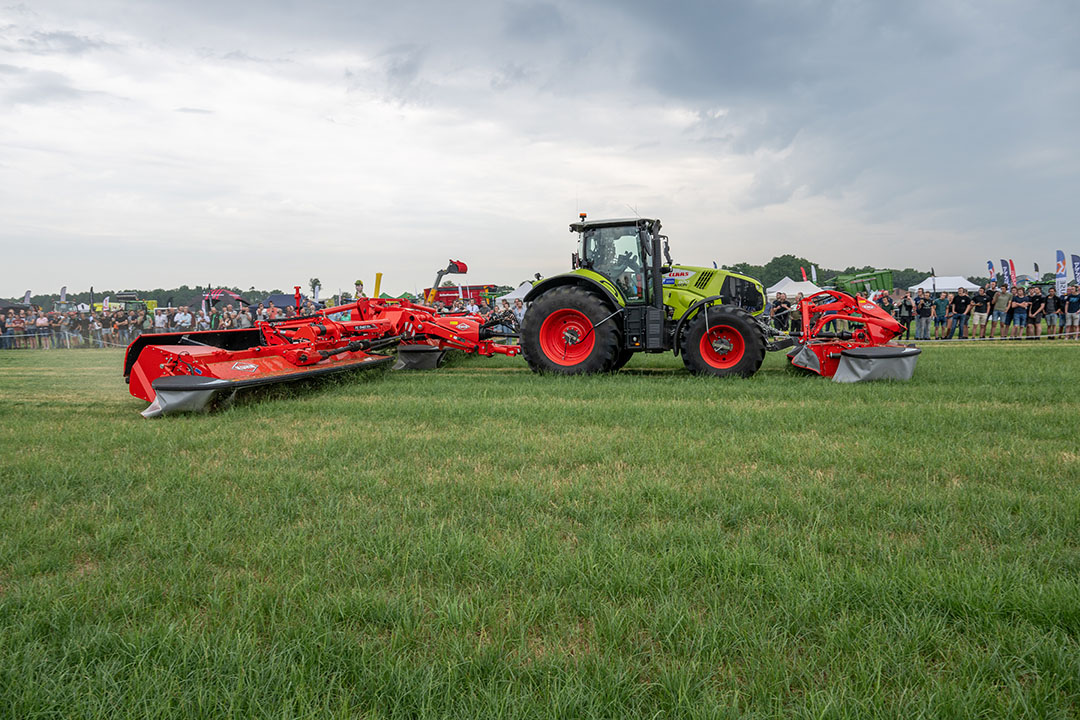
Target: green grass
point(483, 542)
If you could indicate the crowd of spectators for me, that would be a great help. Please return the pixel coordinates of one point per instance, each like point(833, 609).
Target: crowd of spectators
point(33, 329)
point(990, 311)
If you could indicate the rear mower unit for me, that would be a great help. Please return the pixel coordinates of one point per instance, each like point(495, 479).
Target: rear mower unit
point(185, 371)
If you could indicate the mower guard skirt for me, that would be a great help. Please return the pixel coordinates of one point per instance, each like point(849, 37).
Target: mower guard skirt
point(193, 393)
point(419, 356)
point(876, 363)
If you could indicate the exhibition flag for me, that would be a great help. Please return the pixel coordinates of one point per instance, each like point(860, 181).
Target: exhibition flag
point(63, 291)
point(803, 273)
point(1076, 268)
point(26, 298)
point(1005, 274)
point(990, 267)
point(1061, 281)
point(1012, 272)
point(813, 274)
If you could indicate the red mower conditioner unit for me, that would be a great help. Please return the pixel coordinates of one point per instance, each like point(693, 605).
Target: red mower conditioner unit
point(178, 372)
point(865, 353)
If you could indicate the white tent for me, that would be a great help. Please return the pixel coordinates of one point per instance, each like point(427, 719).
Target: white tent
point(792, 288)
point(522, 290)
point(943, 283)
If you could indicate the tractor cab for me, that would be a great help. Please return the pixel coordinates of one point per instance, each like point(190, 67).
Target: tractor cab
point(621, 250)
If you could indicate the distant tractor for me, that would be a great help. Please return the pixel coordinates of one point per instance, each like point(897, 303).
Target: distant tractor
point(621, 297)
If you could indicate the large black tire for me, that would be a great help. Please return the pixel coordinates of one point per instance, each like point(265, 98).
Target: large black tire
point(621, 359)
point(733, 343)
point(559, 333)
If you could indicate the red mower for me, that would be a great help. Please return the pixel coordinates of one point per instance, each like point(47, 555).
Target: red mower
point(866, 352)
point(185, 371)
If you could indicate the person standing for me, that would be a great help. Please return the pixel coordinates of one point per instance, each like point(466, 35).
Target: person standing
point(1071, 303)
point(779, 312)
point(941, 311)
point(182, 319)
point(1036, 304)
point(1001, 301)
point(1052, 313)
point(924, 309)
point(980, 310)
point(905, 313)
point(885, 302)
point(1019, 307)
point(1035, 307)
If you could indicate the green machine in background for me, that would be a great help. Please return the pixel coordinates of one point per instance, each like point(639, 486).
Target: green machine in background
point(866, 282)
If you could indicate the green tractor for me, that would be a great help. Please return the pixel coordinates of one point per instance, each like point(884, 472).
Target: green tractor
point(621, 298)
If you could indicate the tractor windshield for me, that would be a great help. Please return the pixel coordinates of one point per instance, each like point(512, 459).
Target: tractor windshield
point(615, 252)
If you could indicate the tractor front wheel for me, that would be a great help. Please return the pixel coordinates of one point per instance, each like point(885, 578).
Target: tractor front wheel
point(563, 332)
point(723, 340)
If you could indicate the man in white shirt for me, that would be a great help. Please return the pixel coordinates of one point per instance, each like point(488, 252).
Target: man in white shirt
point(182, 319)
point(160, 321)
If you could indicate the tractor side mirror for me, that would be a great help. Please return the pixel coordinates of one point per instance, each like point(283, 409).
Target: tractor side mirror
point(575, 262)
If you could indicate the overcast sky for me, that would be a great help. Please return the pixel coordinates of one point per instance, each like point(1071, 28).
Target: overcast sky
point(260, 143)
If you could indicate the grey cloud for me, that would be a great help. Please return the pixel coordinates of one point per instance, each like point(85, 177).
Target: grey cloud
point(402, 66)
point(41, 88)
point(194, 111)
point(510, 75)
point(56, 42)
point(535, 21)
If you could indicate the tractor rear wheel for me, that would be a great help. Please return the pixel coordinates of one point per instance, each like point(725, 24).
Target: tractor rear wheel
point(726, 340)
point(560, 334)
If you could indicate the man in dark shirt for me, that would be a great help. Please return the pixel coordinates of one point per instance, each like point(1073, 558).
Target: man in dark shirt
point(1019, 309)
point(980, 310)
point(885, 302)
point(1072, 312)
point(924, 308)
point(780, 311)
point(1052, 313)
point(1036, 301)
point(905, 313)
point(959, 309)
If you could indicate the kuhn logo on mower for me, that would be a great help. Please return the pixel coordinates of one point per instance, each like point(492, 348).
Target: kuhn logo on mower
point(245, 367)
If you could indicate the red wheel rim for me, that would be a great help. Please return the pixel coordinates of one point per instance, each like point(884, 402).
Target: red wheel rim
point(722, 347)
point(566, 337)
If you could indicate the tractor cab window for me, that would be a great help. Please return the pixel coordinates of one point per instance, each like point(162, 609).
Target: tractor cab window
point(615, 252)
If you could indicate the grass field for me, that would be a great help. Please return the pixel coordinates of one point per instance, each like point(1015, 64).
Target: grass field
point(481, 542)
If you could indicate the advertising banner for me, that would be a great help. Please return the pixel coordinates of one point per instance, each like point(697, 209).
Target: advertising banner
point(1061, 281)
